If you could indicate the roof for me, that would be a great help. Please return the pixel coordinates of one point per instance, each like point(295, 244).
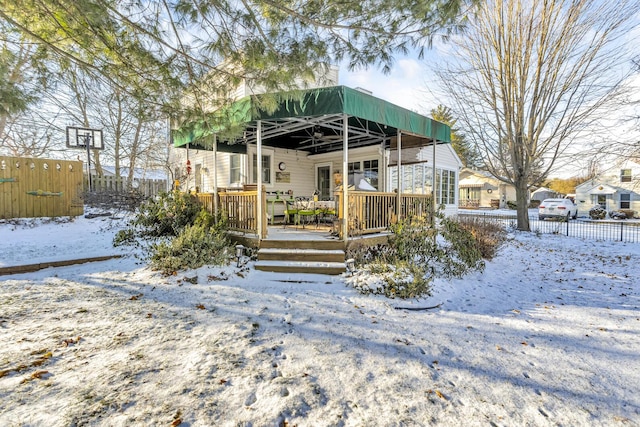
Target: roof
point(543, 189)
point(603, 189)
point(311, 120)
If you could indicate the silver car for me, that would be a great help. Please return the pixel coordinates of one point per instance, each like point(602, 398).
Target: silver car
point(557, 208)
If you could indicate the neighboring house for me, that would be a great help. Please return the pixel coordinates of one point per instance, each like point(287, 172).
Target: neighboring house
point(480, 189)
point(543, 193)
point(616, 188)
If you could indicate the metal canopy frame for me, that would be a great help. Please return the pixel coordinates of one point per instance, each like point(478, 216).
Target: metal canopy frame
point(283, 133)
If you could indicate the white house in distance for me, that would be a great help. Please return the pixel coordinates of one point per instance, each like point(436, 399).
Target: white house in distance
point(480, 189)
point(614, 189)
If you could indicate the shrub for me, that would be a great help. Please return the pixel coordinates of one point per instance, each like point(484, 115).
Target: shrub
point(194, 247)
point(416, 254)
point(168, 214)
point(512, 204)
point(597, 212)
point(488, 234)
point(629, 213)
point(617, 215)
point(533, 204)
point(177, 233)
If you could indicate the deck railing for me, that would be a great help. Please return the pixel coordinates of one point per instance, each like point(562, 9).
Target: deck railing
point(369, 212)
point(373, 212)
point(240, 208)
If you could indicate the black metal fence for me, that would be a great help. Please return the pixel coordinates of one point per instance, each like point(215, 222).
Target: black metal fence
point(611, 230)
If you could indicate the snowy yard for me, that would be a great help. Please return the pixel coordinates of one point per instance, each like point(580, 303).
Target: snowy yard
point(548, 334)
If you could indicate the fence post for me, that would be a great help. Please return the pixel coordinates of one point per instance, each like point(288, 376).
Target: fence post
point(621, 230)
point(567, 226)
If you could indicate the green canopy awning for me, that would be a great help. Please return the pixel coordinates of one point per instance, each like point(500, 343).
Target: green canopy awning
point(311, 120)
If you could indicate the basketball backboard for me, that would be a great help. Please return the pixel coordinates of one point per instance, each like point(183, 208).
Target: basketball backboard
point(78, 137)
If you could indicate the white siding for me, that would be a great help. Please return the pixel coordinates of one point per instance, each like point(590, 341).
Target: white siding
point(612, 184)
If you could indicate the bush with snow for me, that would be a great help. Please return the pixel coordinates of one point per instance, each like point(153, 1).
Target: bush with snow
point(416, 254)
point(178, 233)
point(597, 212)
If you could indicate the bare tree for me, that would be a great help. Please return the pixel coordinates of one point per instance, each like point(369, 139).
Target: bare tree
point(530, 76)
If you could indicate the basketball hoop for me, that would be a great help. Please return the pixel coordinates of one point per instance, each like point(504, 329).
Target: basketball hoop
point(85, 138)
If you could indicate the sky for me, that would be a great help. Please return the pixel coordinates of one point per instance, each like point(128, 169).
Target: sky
point(410, 84)
point(548, 334)
point(413, 85)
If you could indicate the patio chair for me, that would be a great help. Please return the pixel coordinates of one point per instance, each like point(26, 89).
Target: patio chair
point(290, 213)
point(306, 210)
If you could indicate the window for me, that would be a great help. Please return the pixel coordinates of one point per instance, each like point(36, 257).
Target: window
point(266, 169)
point(470, 193)
point(370, 168)
point(354, 167)
point(367, 169)
point(625, 201)
point(445, 187)
point(416, 179)
point(407, 178)
point(625, 175)
point(234, 169)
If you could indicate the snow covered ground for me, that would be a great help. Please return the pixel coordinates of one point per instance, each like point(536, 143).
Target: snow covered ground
point(548, 334)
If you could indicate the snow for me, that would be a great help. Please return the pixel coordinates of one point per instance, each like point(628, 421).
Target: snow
point(548, 334)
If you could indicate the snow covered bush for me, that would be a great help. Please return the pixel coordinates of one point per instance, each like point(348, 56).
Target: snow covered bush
point(195, 246)
point(617, 215)
point(597, 212)
point(168, 214)
point(178, 233)
point(416, 254)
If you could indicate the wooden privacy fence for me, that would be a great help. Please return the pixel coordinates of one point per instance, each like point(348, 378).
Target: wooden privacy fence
point(32, 188)
point(117, 184)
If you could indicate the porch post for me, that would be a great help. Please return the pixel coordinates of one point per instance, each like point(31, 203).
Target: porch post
point(345, 178)
point(399, 178)
point(259, 179)
point(215, 177)
point(433, 185)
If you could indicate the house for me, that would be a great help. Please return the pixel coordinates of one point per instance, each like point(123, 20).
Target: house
point(543, 193)
point(312, 144)
point(480, 189)
point(617, 188)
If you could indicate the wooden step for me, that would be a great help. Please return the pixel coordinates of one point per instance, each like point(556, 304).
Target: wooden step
point(302, 244)
point(277, 254)
point(331, 268)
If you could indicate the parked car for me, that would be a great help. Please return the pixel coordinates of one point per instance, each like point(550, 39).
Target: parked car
point(557, 208)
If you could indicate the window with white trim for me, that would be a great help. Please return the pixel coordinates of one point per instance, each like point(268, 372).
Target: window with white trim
point(625, 175)
point(266, 169)
point(625, 201)
point(235, 169)
point(368, 168)
point(445, 187)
